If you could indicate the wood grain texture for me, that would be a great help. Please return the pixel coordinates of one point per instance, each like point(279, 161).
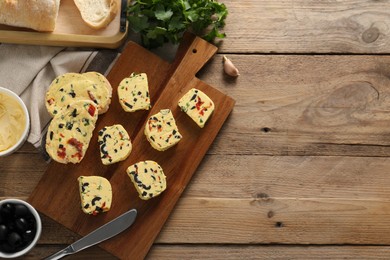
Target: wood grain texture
point(264, 220)
point(294, 26)
point(278, 220)
point(253, 176)
point(292, 174)
point(232, 252)
point(307, 26)
point(306, 105)
point(302, 160)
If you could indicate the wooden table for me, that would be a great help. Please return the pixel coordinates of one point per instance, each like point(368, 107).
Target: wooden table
point(301, 167)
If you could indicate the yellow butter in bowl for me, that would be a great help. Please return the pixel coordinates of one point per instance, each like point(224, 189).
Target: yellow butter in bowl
point(14, 122)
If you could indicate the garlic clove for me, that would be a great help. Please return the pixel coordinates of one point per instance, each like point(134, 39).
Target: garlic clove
point(229, 67)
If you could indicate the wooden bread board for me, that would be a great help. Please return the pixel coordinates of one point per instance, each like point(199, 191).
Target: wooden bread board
point(57, 195)
point(70, 30)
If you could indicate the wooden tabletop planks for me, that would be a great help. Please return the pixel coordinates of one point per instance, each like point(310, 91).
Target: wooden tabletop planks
point(307, 26)
point(303, 159)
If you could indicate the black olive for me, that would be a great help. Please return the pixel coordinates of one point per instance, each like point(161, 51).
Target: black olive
point(128, 105)
point(85, 184)
point(21, 210)
point(3, 232)
point(105, 137)
point(136, 178)
point(11, 225)
point(21, 224)
point(15, 240)
point(30, 219)
point(7, 248)
point(103, 149)
point(69, 125)
point(28, 236)
point(146, 187)
point(74, 113)
point(94, 200)
point(99, 209)
point(7, 210)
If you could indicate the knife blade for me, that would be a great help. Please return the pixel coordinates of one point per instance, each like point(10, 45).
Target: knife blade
point(108, 230)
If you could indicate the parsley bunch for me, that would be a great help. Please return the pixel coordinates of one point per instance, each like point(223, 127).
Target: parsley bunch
point(160, 21)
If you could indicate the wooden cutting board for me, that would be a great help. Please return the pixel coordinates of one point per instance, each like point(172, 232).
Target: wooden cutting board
point(57, 196)
point(70, 30)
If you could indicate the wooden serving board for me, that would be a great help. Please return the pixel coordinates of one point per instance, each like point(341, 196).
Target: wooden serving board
point(70, 30)
point(57, 196)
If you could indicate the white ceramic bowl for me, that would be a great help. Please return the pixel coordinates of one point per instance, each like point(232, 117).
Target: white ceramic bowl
point(26, 130)
point(38, 228)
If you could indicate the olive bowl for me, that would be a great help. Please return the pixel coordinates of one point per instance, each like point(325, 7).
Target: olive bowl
point(20, 228)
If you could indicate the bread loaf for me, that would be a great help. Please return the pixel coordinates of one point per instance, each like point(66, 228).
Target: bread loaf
point(40, 15)
point(97, 13)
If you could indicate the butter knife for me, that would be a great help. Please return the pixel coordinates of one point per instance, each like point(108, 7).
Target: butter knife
point(108, 230)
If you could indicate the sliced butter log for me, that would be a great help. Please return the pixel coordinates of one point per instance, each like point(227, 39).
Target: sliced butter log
point(161, 130)
point(70, 87)
point(115, 144)
point(197, 105)
point(97, 13)
point(37, 15)
point(95, 194)
point(148, 179)
point(133, 93)
point(70, 132)
point(98, 78)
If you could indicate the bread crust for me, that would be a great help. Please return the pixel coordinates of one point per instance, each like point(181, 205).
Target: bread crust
point(40, 15)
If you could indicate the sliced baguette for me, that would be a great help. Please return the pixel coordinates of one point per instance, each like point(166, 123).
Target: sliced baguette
point(97, 13)
point(37, 15)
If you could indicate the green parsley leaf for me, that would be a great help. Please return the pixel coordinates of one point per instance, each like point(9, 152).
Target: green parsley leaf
point(163, 15)
point(138, 23)
point(160, 21)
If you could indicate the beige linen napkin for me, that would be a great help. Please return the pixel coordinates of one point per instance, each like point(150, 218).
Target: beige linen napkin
point(29, 70)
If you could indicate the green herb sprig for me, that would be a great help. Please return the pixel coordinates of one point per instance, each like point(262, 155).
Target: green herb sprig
point(161, 21)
